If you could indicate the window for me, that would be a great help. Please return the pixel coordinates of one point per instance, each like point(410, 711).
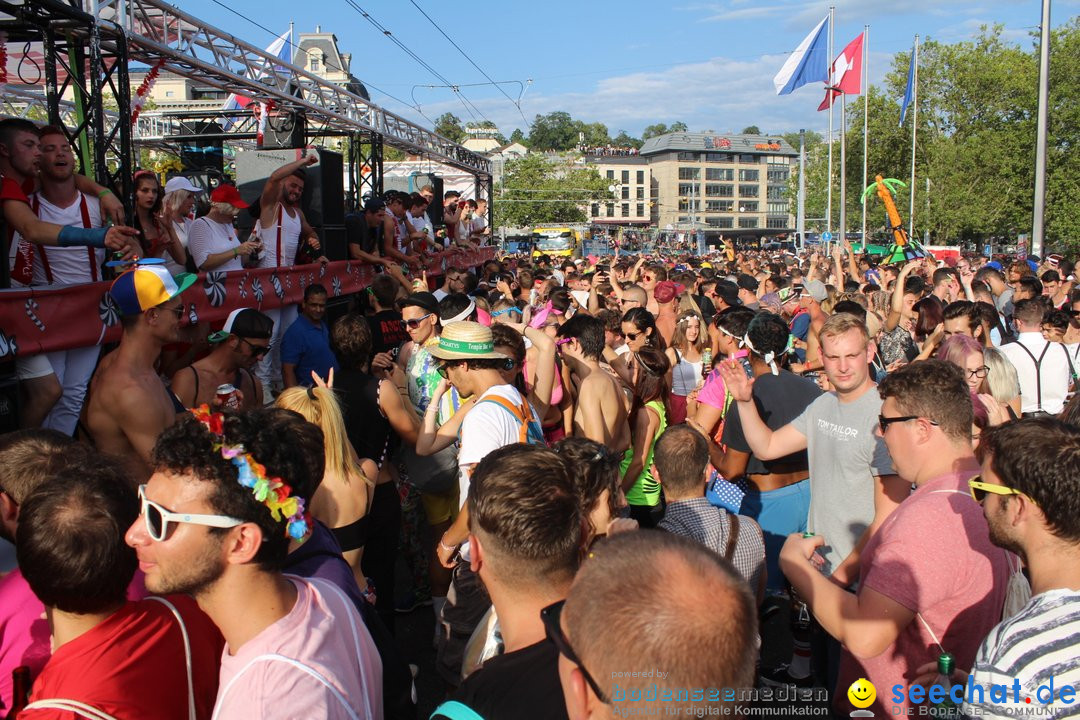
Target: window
point(611, 209)
point(719, 157)
point(640, 177)
point(720, 174)
point(640, 193)
point(748, 207)
point(748, 191)
point(685, 205)
point(778, 175)
point(689, 189)
point(625, 176)
point(719, 205)
point(776, 222)
point(720, 190)
point(688, 173)
point(169, 93)
point(641, 209)
point(315, 64)
point(748, 159)
point(596, 209)
point(610, 174)
point(720, 222)
point(778, 208)
point(776, 192)
point(748, 222)
point(626, 210)
point(688, 157)
point(748, 175)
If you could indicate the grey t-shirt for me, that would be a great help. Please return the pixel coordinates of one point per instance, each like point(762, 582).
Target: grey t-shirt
point(845, 455)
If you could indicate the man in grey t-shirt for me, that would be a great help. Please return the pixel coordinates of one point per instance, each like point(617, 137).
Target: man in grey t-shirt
point(852, 484)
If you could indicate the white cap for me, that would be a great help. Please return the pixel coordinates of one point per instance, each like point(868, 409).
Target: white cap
point(181, 183)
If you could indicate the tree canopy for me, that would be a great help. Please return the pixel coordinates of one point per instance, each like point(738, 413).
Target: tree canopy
point(534, 190)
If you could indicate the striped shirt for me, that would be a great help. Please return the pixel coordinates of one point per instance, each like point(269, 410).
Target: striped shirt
point(700, 520)
point(1039, 644)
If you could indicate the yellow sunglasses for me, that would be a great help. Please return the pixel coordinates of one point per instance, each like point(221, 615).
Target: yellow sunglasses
point(979, 489)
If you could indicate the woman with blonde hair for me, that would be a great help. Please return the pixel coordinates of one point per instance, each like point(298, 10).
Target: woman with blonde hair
point(1002, 382)
point(688, 342)
point(344, 497)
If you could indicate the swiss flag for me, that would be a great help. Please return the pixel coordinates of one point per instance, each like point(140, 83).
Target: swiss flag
point(846, 76)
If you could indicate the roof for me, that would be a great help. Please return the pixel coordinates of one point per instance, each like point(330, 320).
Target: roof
point(697, 142)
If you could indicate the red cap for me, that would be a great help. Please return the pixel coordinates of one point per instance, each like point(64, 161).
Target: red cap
point(667, 291)
point(226, 193)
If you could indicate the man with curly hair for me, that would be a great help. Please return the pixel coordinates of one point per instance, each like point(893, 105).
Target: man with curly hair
point(224, 503)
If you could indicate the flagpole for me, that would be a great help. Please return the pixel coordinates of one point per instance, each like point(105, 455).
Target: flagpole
point(865, 122)
point(842, 230)
point(1040, 134)
point(914, 126)
point(800, 222)
point(828, 83)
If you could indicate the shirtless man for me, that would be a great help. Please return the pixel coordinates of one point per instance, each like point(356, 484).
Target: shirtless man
point(813, 294)
point(127, 406)
point(600, 414)
point(237, 348)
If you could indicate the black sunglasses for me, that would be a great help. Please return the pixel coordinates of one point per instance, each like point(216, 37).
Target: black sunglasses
point(553, 629)
point(443, 369)
point(884, 422)
point(415, 322)
point(256, 350)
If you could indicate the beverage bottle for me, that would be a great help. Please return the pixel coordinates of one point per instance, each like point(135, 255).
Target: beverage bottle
point(20, 691)
point(706, 362)
point(945, 665)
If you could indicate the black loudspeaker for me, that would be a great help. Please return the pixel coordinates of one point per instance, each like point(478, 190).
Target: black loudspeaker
point(435, 209)
point(201, 154)
point(334, 242)
point(285, 129)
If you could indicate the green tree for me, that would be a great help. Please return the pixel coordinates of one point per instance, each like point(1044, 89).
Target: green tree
point(449, 126)
point(554, 131)
point(751, 130)
point(534, 191)
point(519, 137)
point(624, 139)
point(658, 129)
point(596, 134)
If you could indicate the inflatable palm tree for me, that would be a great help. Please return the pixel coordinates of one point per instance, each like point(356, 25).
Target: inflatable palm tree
point(903, 247)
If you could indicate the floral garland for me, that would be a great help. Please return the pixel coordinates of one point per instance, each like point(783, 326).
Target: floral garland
point(143, 92)
point(270, 491)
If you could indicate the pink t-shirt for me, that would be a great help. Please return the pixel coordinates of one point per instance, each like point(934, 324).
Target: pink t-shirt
point(25, 638)
point(933, 555)
point(317, 661)
point(714, 392)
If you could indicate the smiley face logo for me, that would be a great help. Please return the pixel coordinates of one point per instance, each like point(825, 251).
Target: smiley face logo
point(862, 693)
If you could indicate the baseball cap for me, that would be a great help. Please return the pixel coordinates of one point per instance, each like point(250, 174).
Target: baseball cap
point(666, 291)
point(181, 183)
point(374, 204)
point(147, 286)
point(747, 282)
point(423, 300)
point(994, 264)
point(226, 193)
point(815, 289)
point(728, 292)
point(245, 323)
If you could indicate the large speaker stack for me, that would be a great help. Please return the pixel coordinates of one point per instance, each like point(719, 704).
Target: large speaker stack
point(204, 155)
point(324, 192)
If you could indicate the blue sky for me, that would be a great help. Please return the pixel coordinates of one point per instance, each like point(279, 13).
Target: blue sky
point(627, 64)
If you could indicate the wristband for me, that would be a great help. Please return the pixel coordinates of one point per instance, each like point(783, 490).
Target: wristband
point(104, 192)
point(235, 252)
point(71, 236)
point(447, 547)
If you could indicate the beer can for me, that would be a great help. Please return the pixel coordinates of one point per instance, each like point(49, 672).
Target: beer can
point(229, 398)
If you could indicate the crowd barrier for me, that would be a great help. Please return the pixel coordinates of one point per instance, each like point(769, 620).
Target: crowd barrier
point(37, 320)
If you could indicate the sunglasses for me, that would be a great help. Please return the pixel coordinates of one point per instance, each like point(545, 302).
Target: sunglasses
point(980, 489)
point(884, 422)
point(158, 518)
point(256, 350)
point(633, 336)
point(444, 369)
point(553, 629)
point(415, 322)
point(178, 311)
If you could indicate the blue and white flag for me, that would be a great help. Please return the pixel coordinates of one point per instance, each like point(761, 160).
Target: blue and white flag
point(910, 88)
point(809, 63)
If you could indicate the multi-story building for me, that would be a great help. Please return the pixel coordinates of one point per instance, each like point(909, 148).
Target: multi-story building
point(632, 192)
point(729, 184)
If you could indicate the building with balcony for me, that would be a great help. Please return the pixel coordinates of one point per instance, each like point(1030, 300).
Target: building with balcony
point(631, 182)
point(733, 185)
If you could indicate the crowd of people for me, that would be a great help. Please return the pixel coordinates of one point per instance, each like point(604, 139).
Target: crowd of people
point(599, 477)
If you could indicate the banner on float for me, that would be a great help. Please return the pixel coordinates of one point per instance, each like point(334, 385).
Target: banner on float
point(38, 320)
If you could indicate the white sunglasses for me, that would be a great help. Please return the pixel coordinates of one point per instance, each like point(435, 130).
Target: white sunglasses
point(158, 518)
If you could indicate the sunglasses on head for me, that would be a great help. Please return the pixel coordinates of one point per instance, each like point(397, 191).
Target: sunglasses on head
point(980, 489)
point(157, 518)
point(550, 616)
point(415, 322)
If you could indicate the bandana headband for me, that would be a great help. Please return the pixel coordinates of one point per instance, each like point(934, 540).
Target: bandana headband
point(271, 492)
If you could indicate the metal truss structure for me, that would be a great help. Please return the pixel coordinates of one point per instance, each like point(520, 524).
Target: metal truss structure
point(87, 45)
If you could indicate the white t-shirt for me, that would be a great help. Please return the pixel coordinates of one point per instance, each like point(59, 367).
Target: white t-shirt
point(420, 223)
point(290, 239)
point(69, 265)
point(1053, 373)
point(487, 427)
point(206, 238)
point(182, 229)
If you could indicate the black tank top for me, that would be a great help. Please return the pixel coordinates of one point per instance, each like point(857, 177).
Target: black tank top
point(368, 430)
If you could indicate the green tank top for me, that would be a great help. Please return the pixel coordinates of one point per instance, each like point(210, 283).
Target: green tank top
point(646, 490)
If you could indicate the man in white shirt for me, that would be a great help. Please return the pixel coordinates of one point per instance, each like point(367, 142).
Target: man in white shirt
point(60, 202)
point(1045, 371)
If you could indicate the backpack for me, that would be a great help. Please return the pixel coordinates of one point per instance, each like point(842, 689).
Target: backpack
point(530, 431)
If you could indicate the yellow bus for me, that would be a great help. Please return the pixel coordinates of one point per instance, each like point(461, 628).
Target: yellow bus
point(557, 242)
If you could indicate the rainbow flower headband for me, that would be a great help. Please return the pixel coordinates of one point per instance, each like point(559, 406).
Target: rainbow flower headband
point(272, 492)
